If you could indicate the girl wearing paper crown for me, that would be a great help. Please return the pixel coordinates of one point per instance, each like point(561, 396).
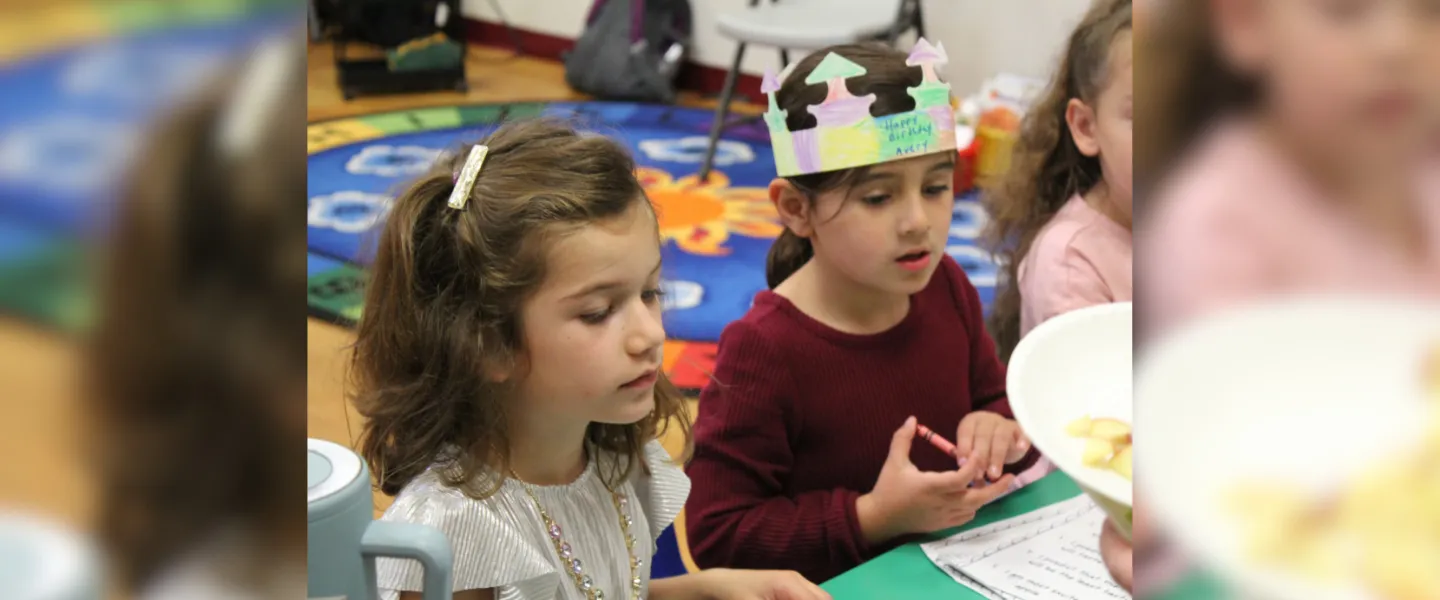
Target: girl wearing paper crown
point(803, 456)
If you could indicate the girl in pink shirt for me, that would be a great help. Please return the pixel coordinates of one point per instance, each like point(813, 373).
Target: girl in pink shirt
point(1062, 216)
point(1314, 171)
point(1287, 147)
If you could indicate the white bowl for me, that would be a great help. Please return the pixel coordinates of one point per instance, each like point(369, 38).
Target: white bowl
point(1307, 391)
point(1075, 365)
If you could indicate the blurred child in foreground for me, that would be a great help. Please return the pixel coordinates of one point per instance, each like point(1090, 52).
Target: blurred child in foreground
point(1283, 148)
point(197, 372)
point(1290, 148)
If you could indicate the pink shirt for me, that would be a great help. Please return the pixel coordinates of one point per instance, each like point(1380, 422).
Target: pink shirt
point(1080, 258)
point(1239, 221)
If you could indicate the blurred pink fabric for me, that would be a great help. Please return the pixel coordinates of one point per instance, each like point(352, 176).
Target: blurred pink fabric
point(1239, 221)
point(1080, 258)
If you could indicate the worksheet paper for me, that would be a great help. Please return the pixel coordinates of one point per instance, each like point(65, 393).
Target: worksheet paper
point(1048, 554)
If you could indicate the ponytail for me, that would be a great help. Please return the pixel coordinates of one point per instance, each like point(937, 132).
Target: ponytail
point(787, 255)
point(446, 290)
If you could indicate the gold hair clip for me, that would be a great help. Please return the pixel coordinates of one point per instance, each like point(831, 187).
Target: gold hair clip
point(465, 181)
point(261, 85)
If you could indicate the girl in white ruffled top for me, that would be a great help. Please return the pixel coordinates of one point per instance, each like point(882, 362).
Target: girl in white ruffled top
point(509, 367)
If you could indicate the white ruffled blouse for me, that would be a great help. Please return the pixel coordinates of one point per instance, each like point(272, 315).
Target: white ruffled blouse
point(501, 543)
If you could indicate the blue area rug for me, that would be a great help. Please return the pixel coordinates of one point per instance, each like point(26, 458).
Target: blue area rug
point(71, 122)
point(715, 234)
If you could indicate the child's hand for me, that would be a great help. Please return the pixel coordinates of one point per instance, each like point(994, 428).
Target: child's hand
point(996, 440)
point(1118, 555)
point(908, 500)
point(734, 584)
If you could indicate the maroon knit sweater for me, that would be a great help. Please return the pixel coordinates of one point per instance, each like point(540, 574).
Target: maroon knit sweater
point(799, 417)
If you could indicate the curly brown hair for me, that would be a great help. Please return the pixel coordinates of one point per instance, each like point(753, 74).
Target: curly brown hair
point(1047, 169)
point(444, 300)
point(886, 76)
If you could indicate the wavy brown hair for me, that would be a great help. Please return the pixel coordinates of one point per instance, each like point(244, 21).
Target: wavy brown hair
point(444, 300)
point(1047, 169)
point(886, 76)
point(196, 370)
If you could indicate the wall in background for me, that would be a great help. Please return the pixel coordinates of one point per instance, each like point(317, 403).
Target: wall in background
point(982, 37)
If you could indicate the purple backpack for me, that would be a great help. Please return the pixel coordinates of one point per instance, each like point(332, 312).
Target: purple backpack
point(630, 50)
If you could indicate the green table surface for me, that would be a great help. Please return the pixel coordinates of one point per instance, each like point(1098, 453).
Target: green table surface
point(906, 572)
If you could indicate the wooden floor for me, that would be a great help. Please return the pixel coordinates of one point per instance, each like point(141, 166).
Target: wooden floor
point(40, 471)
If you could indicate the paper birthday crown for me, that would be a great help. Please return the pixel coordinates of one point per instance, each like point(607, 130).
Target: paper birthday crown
point(846, 135)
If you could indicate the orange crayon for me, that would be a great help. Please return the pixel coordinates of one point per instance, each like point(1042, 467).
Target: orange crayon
point(936, 440)
point(944, 445)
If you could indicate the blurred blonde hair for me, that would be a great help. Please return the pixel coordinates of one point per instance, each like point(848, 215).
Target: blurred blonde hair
point(1183, 84)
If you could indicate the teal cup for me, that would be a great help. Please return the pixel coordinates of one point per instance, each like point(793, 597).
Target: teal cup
point(43, 561)
point(345, 539)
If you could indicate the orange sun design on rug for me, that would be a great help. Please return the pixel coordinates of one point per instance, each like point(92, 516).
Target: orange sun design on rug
point(699, 217)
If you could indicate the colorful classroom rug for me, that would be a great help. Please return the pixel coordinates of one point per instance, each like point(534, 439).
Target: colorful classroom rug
point(715, 234)
point(71, 118)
